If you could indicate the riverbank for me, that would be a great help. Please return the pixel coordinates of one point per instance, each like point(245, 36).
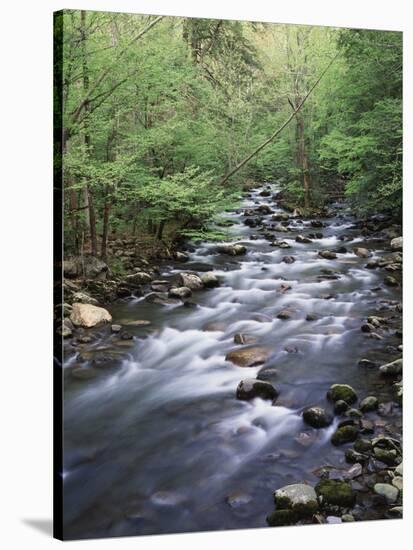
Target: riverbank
point(232, 351)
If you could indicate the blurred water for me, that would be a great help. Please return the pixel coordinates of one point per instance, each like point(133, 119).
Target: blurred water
point(160, 443)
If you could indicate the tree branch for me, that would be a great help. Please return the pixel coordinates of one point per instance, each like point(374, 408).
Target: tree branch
point(280, 129)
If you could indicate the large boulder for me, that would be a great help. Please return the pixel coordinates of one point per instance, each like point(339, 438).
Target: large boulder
point(250, 388)
point(88, 267)
point(317, 417)
point(191, 281)
point(397, 243)
point(248, 357)
point(342, 392)
point(210, 280)
point(87, 315)
point(299, 498)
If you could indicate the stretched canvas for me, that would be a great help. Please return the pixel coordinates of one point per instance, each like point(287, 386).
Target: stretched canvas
point(228, 271)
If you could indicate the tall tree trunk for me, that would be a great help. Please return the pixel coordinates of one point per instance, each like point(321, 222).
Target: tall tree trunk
point(105, 232)
point(85, 74)
point(159, 233)
point(303, 159)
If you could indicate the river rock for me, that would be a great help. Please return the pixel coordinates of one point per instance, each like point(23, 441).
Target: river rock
point(248, 357)
point(392, 369)
point(191, 281)
point(399, 470)
point(180, 292)
point(369, 403)
point(317, 417)
point(280, 244)
point(389, 492)
point(397, 243)
point(160, 286)
point(83, 298)
point(299, 498)
point(282, 517)
point(303, 239)
point(353, 457)
point(362, 252)
point(327, 254)
point(251, 388)
point(243, 339)
point(389, 457)
point(280, 217)
point(363, 446)
point(209, 280)
point(138, 278)
point(342, 392)
point(284, 314)
point(64, 331)
point(181, 256)
point(233, 249)
point(116, 328)
point(340, 407)
point(344, 434)
point(86, 315)
point(316, 223)
point(288, 259)
point(311, 317)
point(88, 267)
point(367, 363)
point(397, 482)
point(396, 512)
point(335, 493)
point(390, 281)
point(161, 299)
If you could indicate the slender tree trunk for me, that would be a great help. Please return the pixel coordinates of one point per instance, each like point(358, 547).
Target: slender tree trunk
point(159, 233)
point(303, 159)
point(85, 71)
point(105, 232)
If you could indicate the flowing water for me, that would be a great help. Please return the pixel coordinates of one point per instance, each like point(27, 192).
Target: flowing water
point(159, 443)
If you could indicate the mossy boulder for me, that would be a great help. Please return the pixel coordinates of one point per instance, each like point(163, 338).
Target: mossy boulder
point(342, 392)
point(369, 403)
point(344, 434)
point(336, 493)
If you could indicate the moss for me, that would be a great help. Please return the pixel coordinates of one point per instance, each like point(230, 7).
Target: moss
point(342, 392)
point(334, 492)
point(282, 517)
point(345, 434)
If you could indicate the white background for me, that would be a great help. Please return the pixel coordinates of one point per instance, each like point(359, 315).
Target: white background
point(26, 270)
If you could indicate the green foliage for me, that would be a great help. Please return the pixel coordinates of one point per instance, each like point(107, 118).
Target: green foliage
point(153, 121)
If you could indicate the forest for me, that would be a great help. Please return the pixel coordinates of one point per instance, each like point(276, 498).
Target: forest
point(158, 111)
